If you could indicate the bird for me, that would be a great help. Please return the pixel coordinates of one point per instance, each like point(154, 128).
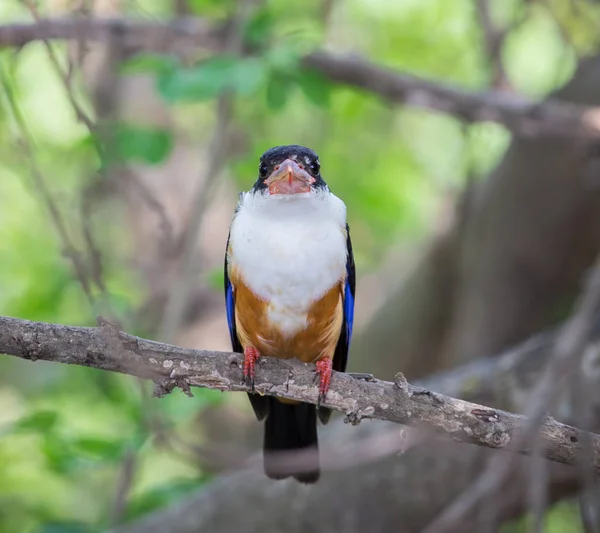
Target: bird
point(289, 293)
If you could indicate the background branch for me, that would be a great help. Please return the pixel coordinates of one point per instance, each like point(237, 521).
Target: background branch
point(493, 38)
point(518, 114)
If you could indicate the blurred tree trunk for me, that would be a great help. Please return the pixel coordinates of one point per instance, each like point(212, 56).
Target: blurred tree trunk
point(510, 267)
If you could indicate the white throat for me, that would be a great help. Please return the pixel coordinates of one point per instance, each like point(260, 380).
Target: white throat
point(290, 250)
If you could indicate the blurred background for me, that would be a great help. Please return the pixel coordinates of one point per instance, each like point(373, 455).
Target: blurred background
point(120, 164)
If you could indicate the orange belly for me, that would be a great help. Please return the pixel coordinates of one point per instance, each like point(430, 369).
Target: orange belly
point(315, 341)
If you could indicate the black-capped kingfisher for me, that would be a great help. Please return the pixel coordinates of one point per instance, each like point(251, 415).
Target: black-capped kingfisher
point(289, 292)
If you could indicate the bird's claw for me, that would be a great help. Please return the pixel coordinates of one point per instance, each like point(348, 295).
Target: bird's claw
point(324, 371)
point(251, 355)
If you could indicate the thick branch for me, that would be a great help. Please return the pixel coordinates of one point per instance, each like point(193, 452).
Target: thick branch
point(134, 34)
point(107, 348)
point(518, 114)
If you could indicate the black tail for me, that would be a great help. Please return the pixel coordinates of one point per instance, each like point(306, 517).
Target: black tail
point(291, 427)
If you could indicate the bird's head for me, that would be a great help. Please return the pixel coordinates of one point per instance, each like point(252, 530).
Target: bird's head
point(289, 170)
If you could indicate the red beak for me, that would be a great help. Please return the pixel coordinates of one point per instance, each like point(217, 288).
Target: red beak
point(289, 178)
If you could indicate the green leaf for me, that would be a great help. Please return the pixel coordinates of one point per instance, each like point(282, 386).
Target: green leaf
point(40, 302)
point(259, 28)
point(148, 62)
point(202, 82)
point(283, 60)
point(58, 456)
point(278, 92)
point(249, 75)
point(146, 145)
point(212, 77)
point(315, 87)
point(211, 9)
point(99, 448)
point(41, 421)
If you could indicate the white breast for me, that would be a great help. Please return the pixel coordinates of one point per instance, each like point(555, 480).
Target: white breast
point(290, 251)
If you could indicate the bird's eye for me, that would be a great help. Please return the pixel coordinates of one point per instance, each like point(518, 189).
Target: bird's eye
point(315, 167)
point(262, 170)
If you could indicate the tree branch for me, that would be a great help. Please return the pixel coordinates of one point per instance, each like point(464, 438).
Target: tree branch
point(136, 34)
point(107, 348)
point(493, 38)
point(518, 114)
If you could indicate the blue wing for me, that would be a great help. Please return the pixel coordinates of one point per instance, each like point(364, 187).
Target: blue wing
point(349, 311)
point(230, 307)
point(340, 358)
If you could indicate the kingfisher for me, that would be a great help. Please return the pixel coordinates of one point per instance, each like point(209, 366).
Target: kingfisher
point(289, 293)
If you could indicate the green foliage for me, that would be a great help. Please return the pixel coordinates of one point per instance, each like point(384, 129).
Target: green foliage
point(144, 145)
point(244, 76)
point(99, 449)
point(204, 81)
point(278, 91)
point(211, 8)
point(40, 421)
point(147, 62)
point(259, 29)
point(315, 87)
point(537, 58)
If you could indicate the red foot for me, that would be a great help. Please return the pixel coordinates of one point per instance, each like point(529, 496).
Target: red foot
point(324, 371)
point(251, 355)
